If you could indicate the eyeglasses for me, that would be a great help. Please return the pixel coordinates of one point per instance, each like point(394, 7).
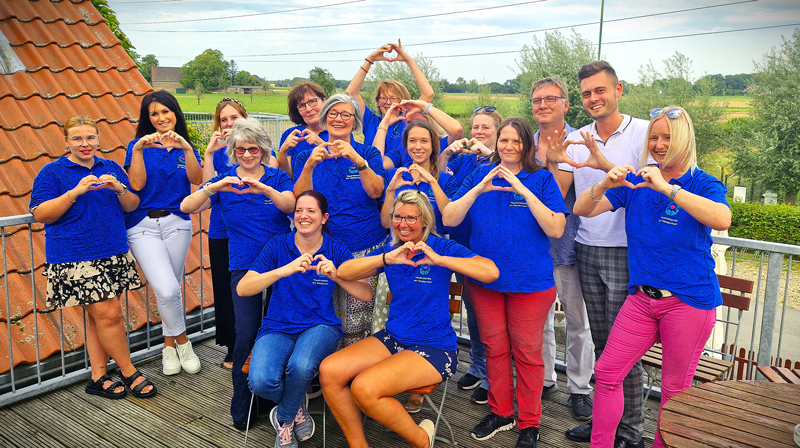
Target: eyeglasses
point(78, 141)
point(410, 219)
point(671, 113)
point(332, 115)
point(251, 150)
point(487, 109)
point(310, 103)
point(391, 99)
point(549, 100)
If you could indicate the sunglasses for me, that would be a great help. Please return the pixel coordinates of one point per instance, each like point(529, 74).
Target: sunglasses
point(251, 150)
point(487, 109)
point(671, 113)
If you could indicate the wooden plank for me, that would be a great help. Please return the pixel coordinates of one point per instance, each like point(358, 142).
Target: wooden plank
point(40, 415)
point(734, 283)
point(700, 438)
point(737, 419)
point(771, 375)
point(735, 301)
point(788, 375)
point(16, 432)
point(704, 431)
point(779, 397)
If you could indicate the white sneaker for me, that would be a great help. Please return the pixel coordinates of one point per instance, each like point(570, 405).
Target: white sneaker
point(170, 361)
point(189, 361)
point(429, 428)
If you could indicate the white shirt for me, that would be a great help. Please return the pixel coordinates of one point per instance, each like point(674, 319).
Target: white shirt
point(623, 147)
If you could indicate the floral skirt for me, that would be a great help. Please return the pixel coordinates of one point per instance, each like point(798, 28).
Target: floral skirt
point(88, 282)
point(356, 316)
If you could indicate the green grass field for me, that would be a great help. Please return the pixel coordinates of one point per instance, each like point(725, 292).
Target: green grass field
point(273, 103)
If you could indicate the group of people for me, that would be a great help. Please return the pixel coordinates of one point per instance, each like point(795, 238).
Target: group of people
point(308, 239)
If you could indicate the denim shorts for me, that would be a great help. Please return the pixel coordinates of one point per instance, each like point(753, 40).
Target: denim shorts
point(444, 361)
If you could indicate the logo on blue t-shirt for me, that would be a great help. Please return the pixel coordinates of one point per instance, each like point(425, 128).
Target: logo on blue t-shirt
point(672, 209)
point(182, 161)
point(424, 269)
point(320, 279)
point(430, 192)
point(518, 197)
point(111, 173)
point(353, 169)
point(517, 201)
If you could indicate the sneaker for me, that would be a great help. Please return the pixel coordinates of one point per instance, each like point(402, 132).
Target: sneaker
point(468, 381)
point(480, 396)
point(284, 437)
point(549, 390)
point(581, 406)
point(491, 425)
point(170, 361)
point(303, 423)
point(429, 429)
point(189, 361)
point(622, 442)
point(582, 433)
point(528, 438)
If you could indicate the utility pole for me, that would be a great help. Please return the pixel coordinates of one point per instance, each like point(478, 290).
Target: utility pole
point(600, 40)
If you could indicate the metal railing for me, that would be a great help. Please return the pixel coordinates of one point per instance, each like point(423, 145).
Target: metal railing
point(71, 363)
point(275, 124)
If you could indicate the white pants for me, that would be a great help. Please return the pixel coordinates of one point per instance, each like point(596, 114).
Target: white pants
point(580, 349)
point(160, 246)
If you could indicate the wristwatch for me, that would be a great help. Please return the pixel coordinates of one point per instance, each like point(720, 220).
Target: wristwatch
point(364, 166)
point(124, 189)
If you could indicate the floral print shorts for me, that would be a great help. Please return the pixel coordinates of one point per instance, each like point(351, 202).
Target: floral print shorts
point(444, 361)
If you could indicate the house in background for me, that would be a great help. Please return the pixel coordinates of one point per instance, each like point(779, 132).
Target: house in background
point(59, 59)
point(167, 78)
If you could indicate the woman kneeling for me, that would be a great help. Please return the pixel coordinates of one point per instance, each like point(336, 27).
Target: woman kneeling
point(418, 346)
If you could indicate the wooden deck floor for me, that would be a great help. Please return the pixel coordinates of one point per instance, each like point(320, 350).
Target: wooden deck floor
point(193, 411)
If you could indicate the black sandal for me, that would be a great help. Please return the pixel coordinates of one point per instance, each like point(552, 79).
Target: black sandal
point(96, 388)
point(137, 391)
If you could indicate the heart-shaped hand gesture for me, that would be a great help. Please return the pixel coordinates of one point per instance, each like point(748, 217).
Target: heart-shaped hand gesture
point(326, 267)
point(402, 255)
point(172, 139)
point(149, 141)
point(231, 184)
point(557, 148)
point(486, 184)
point(383, 53)
point(431, 257)
point(218, 141)
point(653, 179)
point(398, 181)
point(616, 177)
point(321, 153)
point(596, 158)
point(421, 173)
point(299, 265)
point(311, 137)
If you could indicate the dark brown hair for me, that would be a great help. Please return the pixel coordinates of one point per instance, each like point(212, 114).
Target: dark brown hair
point(595, 68)
point(297, 93)
point(525, 132)
point(322, 202)
point(434, 143)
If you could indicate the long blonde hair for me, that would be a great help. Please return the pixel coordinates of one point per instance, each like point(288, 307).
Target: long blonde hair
point(682, 151)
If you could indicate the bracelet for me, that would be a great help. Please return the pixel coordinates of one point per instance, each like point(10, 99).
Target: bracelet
point(207, 190)
point(370, 62)
point(69, 197)
point(384, 260)
point(675, 189)
point(591, 192)
point(427, 108)
point(365, 70)
point(381, 128)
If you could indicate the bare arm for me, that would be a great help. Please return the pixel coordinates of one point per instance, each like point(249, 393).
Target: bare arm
point(425, 89)
point(354, 88)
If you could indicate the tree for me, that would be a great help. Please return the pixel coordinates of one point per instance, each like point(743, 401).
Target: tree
point(485, 97)
point(400, 72)
point(324, 79)
point(244, 78)
point(233, 70)
point(199, 91)
point(558, 55)
point(209, 68)
point(146, 64)
point(674, 88)
point(772, 156)
point(113, 24)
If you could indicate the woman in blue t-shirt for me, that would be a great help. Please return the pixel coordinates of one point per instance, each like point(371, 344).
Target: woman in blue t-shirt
point(88, 265)
point(305, 102)
point(255, 200)
point(670, 210)
point(350, 175)
point(301, 327)
point(418, 346)
point(162, 164)
point(522, 205)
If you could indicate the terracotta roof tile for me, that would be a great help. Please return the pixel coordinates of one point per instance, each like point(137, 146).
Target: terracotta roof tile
point(48, 12)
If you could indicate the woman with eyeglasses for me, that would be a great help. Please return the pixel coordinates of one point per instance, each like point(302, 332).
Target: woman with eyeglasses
point(305, 102)
point(255, 200)
point(418, 346)
point(522, 204)
point(88, 265)
point(162, 165)
point(350, 175)
point(670, 209)
point(387, 92)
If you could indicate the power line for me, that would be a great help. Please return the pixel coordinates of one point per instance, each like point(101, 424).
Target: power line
point(246, 15)
point(344, 24)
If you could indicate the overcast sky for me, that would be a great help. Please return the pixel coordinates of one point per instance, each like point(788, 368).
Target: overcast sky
point(329, 26)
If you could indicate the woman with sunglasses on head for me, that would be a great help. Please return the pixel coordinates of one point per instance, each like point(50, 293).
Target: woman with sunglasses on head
point(522, 204)
point(305, 102)
point(387, 92)
point(670, 209)
point(162, 165)
point(88, 265)
point(254, 200)
point(350, 175)
point(418, 346)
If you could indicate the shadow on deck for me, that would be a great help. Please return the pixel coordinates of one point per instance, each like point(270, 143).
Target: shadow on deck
point(193, 411)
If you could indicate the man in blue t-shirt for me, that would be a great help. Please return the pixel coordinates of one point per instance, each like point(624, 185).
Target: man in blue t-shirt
point(549, 102)
point(601, 243)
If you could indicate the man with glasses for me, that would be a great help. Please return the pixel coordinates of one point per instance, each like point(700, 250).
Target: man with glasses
point(550, 102)
point(601, 242)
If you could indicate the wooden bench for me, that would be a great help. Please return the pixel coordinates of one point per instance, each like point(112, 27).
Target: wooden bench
point(775, 374)
point(710, 368)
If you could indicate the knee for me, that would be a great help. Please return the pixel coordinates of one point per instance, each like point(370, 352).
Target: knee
point(364, 392)
point(330, 375)
point(264, 383)
point(167, 292)
point(107, 314)
point(304, 369)
point(606, 375)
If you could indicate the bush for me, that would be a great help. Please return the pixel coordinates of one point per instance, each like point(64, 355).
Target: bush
point(775, 223)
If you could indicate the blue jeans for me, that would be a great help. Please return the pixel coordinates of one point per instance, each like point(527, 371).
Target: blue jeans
point(247, 311)
point(477, 351)
point(283, 365)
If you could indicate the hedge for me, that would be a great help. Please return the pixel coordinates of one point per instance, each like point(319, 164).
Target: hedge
point(775, 223)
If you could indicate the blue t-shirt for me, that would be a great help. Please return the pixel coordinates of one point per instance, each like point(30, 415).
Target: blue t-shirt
point(167, 183)
point(461, 165)
point(301, 146)
point(399, 156)
point(354, 216)
point(505, 231)
point(251, 219)
point(93, 228)
point(302, 300)
point(446, 182)
point(420, 310)
point(216, 226)
point(668, 248)
point(394, 135)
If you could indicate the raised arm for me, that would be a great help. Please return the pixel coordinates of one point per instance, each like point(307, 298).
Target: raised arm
point(425, 89)
point(354, 88)
point(450, 125)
